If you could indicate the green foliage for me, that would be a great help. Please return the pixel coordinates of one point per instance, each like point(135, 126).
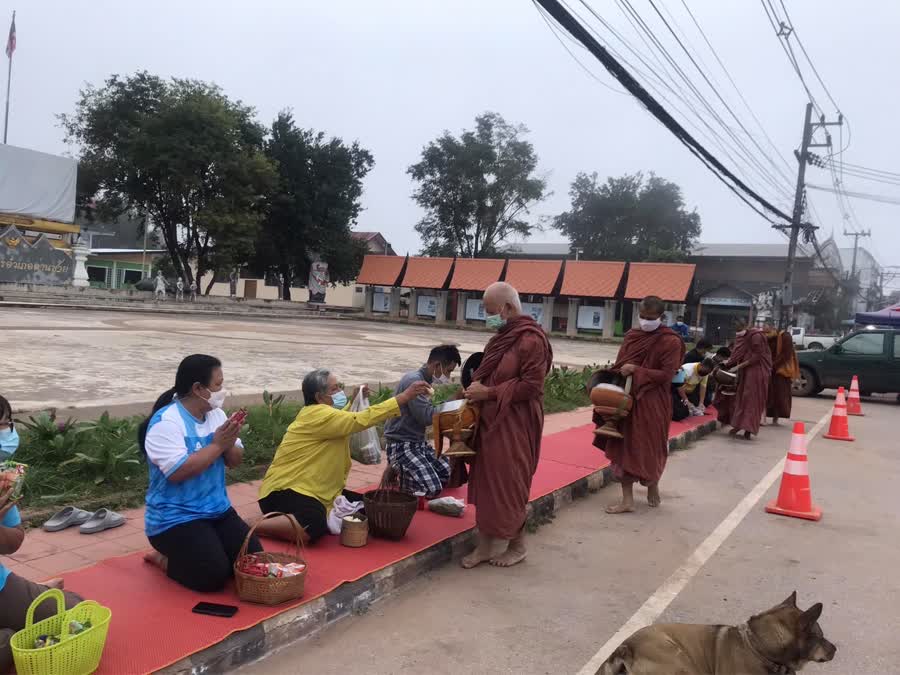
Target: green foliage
point(566, 389)
point(264, 428)
point(45, 439)
point(629, 218)
point(476, 189)
point(314, 205)
point(181, 152)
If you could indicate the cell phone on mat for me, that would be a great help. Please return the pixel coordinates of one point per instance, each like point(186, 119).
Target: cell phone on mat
point(213, 609)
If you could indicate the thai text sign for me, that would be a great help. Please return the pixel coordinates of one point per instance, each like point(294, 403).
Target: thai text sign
point(39, 263)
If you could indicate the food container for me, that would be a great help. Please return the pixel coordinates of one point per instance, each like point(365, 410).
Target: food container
point(354, 530)
point(610, 394)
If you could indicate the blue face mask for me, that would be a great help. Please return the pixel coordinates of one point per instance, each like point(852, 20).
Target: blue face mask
point(339, 400)
point(9, 443)
point(495, 322)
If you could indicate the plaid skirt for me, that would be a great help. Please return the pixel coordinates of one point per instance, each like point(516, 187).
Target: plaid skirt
point(421, 473)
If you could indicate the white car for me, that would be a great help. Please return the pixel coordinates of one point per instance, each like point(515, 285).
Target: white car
point(805, 340)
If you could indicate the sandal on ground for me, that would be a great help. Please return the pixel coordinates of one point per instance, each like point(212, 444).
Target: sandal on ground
point(68, 517)
point(101, 520)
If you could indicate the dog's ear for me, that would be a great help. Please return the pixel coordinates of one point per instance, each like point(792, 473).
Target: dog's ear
point(810, 616)
point(791, 600)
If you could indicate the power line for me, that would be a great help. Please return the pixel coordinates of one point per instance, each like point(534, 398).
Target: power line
point(806, 55)
point(661, 82)
point(780, 30)
point(734, 84)
point(567, 21)
point(714, 88)
point(642, 28)
point(859, 195)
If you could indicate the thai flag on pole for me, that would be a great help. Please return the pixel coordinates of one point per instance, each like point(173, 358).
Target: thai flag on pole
point(11, 41)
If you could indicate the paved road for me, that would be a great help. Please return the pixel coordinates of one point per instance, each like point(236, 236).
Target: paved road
point(588, 573)
point(94, 358)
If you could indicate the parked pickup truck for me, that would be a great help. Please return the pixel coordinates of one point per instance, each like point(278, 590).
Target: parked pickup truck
point(872, 354)
point(805, 340)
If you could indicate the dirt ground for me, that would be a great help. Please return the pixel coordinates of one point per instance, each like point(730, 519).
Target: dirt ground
point(83, 359)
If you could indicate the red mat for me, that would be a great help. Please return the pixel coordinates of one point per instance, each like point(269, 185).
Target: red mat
point(153, 626)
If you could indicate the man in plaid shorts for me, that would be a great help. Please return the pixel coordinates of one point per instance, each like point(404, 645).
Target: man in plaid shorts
point(409, 455)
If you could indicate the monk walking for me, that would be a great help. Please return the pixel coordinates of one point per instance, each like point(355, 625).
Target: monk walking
point(752, 359)
point(785, 369)
point(651, 354)
point(509, 388)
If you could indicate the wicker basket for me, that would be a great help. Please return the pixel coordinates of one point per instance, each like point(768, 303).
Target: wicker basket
point(271, 590)
point(76, 654)
point(354, 534)
point(389, 512)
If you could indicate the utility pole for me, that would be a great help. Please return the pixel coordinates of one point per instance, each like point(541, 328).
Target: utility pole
point(787, 291)
point(856, 236)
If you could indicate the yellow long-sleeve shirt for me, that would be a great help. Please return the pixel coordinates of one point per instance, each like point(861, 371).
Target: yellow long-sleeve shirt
point(313, 458)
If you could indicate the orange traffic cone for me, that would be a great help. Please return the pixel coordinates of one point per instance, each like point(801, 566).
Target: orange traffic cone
point(839, 430)
point(795, 495)
point(854, 407)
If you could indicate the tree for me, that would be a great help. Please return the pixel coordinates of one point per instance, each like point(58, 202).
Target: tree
point(314, 205)
point(182, 153)
point(476, 189)
point(629, 218)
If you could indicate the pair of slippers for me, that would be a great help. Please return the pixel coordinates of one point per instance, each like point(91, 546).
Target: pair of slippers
point(87, 522)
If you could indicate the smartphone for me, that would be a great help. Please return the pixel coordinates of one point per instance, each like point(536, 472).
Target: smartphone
point(212, 609)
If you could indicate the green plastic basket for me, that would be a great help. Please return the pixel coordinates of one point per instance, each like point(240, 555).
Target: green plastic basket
point(75, 654)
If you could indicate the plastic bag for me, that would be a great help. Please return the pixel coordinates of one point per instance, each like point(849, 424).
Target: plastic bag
point(447, 506)
point(365, 447)
point(342, 507)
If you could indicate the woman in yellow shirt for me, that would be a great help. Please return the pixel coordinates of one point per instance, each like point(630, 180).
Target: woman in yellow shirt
point(312, 462)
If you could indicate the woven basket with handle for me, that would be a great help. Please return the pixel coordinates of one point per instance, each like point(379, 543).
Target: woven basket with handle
point(271, 590)
point(390, 512)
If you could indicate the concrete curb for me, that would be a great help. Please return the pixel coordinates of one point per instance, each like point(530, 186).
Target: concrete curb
point(356, 597)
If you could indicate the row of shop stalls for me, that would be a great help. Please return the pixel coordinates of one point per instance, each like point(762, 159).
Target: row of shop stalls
point(566, 296)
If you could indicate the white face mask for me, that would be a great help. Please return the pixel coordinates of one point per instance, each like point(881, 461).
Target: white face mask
point(650, 325)
point(443, 378)
point(217, 398)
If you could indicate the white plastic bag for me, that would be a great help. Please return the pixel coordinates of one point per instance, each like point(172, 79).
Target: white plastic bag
point(365, 447)
point(342, 508)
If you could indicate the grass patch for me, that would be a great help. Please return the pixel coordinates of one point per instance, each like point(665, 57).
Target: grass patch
point(97, 464)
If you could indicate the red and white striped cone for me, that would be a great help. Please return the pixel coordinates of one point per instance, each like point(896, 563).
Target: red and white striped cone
point(854, 405)
point(839, 429)
point(795, 494)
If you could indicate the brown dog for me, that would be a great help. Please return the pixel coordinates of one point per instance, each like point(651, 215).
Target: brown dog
point(781, 640)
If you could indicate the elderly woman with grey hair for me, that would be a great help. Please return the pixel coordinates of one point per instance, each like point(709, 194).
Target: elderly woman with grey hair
point(312, 461)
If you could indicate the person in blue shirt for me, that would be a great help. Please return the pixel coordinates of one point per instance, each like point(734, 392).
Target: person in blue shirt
point(682, 328)
point(189, 442)
point(16, 592)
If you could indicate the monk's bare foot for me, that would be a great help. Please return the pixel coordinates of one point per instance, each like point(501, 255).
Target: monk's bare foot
point(621, 507)
point(734, 432)
point(157, 559)
point(514, 554)
point(653, 498)
point(748, 436)
point(775, 422)
point(58, 582)
point(484, 551)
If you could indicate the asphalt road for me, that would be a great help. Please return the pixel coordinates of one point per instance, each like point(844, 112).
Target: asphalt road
point(97, 359)
point(589, 573)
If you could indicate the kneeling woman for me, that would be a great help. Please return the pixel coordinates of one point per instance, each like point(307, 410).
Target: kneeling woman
point(312, 462)
point(188, 441)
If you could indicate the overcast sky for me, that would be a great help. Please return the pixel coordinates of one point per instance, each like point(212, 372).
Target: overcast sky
point(394, 74)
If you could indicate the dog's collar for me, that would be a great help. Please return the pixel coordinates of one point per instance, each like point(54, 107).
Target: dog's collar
point(772, 666)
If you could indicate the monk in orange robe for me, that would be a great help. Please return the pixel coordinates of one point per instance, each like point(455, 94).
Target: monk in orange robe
point(651, 354)
point(753, 360)
point(509, 388)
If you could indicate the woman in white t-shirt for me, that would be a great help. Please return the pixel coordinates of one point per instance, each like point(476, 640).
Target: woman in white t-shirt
point(189, 441)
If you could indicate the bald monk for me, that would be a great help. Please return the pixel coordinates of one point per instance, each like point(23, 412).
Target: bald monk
point(509, 387)
point(752, 358)
point(651, 354)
